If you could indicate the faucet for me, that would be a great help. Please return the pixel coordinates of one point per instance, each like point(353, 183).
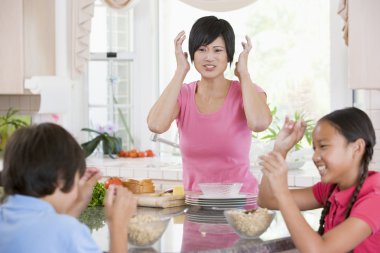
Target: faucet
point(156, 138)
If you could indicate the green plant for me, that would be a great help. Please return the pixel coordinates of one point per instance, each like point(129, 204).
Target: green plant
point(273, 130)
point(9, 123)
point(111, 144)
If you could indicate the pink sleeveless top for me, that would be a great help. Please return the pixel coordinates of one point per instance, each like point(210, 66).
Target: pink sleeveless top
point(215, 146)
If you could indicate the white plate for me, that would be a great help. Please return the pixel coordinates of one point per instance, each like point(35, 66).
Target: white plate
point(199, 195)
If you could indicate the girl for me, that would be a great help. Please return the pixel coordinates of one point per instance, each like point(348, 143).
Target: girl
point(215, 116)
point(343, 144)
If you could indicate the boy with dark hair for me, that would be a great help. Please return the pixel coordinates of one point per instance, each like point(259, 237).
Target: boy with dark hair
point(45, 184)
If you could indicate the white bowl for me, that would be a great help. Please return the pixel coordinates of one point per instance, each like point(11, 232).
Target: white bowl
point(220, 189)
point(144, 230)
point(295, 165)
point(251, 225)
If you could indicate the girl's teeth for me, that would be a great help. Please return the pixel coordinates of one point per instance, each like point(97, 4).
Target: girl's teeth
point(321, 169)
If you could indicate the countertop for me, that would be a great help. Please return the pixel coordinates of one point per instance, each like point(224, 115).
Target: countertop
point(186, 235)
point(167, 171)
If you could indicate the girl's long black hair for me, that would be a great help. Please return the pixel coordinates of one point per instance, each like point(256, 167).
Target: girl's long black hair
point(353, 124)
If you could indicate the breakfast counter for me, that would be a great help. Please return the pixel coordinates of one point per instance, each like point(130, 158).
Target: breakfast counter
point(167, 171)
point(184, 234)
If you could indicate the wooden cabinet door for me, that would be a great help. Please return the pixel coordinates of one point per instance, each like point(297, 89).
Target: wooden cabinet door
point(11, 47)
point(364, 44)
point(27, 42)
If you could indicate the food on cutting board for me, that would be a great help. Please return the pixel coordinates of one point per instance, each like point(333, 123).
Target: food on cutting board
point(135, 153)
point(98, 194)
point(114, 181)
point(140, 186)
point(178, 190)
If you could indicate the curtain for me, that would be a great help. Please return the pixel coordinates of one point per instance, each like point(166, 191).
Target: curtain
point(218, 5)
point(82, 13)
point(118, 4)
point(343, 12)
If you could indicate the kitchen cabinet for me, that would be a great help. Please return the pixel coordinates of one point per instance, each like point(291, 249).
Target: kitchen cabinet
point(364, 44)
point(27, 47)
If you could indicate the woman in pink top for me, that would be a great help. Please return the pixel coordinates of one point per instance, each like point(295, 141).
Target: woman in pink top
point(215, 116)
point(343, 144)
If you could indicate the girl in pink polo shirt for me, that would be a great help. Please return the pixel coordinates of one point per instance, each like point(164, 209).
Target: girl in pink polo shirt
point(215, 116)
point(343, 144)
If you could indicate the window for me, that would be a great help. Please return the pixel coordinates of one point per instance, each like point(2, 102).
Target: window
point(110, 70)
point(290, 58)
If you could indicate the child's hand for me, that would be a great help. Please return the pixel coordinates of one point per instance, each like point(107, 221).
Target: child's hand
point(290, 133)
point(276, 170)
point(85, 187)
point(120, 205)
point(87, 183)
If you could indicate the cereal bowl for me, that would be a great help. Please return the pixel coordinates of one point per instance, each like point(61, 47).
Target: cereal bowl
point(144, 230)
point(249, 224)
point(220, 189)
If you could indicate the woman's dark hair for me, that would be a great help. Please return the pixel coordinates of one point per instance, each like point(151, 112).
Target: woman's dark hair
point(353, 124)
point(39, 157)
point(206, 29)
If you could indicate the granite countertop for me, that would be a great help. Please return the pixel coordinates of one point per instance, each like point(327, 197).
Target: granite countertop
point(184, 234)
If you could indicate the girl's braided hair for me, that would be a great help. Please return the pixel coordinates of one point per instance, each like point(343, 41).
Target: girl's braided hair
point(353, 124)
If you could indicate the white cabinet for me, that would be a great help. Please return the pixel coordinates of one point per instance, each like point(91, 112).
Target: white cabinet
point(364, 44)
point(27, 45)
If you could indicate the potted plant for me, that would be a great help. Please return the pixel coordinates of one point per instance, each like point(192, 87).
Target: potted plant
point(8, 124)
point(105, 135)
point(263, 142)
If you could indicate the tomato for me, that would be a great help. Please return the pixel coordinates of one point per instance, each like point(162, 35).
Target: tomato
point(113, 180)
point(149, 153)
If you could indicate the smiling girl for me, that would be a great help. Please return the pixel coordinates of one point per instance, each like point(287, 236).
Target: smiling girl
point(215, 116)
point(349, 194)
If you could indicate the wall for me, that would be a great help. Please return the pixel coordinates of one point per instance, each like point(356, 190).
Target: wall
point(368, 100)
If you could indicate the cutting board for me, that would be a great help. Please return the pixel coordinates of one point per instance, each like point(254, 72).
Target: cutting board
point(160, 200)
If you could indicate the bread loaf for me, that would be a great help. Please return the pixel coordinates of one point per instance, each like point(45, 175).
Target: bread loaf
point(140, 186)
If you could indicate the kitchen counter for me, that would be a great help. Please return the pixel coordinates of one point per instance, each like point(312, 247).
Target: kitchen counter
point(167, 171)
point(186, 235)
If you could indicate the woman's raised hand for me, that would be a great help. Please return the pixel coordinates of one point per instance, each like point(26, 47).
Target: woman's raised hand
point(290, 133)
point(181, 57)
point(241, 66)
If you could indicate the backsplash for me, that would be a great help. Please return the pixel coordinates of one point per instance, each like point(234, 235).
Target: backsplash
point(25, 104)
point(369, 101)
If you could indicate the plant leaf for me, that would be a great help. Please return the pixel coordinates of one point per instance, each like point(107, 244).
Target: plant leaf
point(91, 145)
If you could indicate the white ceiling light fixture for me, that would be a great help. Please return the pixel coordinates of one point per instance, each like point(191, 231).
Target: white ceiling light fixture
point(218, 5)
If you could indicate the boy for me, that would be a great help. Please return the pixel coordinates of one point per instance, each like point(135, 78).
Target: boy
point(46, 185)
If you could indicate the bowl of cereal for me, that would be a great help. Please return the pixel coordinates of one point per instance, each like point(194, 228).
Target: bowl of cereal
point(249, 224)
point(144, 230)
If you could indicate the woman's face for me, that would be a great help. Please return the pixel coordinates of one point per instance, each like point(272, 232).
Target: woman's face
point(211, 60)
point(333, 156)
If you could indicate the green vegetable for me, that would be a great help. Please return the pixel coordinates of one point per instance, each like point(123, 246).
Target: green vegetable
point(93, 217)
point(98, 195)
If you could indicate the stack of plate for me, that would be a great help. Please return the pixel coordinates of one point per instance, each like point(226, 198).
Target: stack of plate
point(199, 215)
point(221, 203)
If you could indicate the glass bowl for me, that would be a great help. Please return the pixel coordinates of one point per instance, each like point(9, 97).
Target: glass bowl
point(220, 189)
point(249, 225)
point(144, 230)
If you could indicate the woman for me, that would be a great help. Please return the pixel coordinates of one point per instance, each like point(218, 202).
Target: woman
point(215, 116)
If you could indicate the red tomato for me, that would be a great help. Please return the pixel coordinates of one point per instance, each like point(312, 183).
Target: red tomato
point(113, 180)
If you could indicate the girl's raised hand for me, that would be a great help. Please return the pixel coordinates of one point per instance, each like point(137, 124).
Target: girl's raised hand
point(181, 57)
point(241, 66)
point(290, 133)
point(274, 167)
